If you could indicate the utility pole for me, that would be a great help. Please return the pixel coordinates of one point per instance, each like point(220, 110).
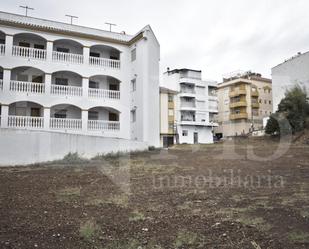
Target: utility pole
point(26, 8)
point(72, 17)
point(110, 25)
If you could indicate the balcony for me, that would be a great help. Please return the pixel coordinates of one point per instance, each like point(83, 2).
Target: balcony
point(73, 91)
point(241, 103)
point(29, 53)
point(255, 105)
point(254, 93)
point(188, 105)
point(103, 62)
point(103, 125)
point(237, 92)
point(68, 57)
point(238, 116)
point(25, 122)
point(65, 124)
point(27, 87)
point(2, 49)
point(103, 94)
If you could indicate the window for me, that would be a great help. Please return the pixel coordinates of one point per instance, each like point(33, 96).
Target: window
point(269, 90)
point(92, 115)
point(112, 117)
point(133, 116)
point(269, 102)
point(37, 78)
point(24, 44)
point(184, 133)
point(2, 41)
point(133, 54)
point(63, 50)
point(93, 84)
point(170, 112)
point(133, 85)
point(265, 101)
point(113, 87)
point(170, 98)
point(260, 101)
point(113, 57)
point(60, 114)
point(39, 46)
point(61, 81)
point(93, 54)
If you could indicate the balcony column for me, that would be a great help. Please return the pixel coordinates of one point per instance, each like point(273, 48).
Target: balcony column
point(6, 79)
point(84, 121)
point(49, 51)
point(4, 116)
point(85, 86)
point(46, 118)
point(48, 78)
point(8, 45)
point(86, 54)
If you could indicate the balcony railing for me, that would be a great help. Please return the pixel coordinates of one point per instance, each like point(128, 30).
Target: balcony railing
point(1, 84)
point(239, 103)
point(66, 90)
point(25, 122)
point(66, 124)
point(68, 57)
point(238, 116)
point(32, 53)
point(104, 62)
point(2, 49)
point(102, 125)
point(188, 104)
point(103, 94)
point(187, 90)
point(236, 92)
point(28, 87)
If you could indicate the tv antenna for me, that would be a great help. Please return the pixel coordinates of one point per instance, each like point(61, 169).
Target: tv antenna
point(110, 25)
point(72, 17)
point(26, 8)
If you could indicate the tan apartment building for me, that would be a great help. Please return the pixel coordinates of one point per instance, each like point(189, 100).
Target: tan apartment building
point(245, 100)
point(167, 117)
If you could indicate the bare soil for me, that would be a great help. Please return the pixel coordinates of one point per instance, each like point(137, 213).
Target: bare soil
point(187, 197)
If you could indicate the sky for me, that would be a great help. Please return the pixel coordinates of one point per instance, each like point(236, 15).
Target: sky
point(217, 37)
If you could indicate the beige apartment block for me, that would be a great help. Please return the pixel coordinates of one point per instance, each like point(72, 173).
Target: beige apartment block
point(245, 100)
point(167, 117)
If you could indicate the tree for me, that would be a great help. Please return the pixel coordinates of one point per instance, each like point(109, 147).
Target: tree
point(292, 113)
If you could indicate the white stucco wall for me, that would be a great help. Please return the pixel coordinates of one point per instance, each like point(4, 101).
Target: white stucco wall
point(21, 147)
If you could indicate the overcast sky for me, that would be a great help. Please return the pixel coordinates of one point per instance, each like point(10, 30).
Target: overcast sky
point(217, 37)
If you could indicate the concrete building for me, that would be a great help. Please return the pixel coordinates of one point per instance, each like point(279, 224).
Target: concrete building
point(195, 105)
point(245, 99)
point(57, 77)
point(289, 73)
point(167, 117)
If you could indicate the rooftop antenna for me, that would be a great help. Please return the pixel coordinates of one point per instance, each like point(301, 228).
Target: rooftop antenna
point(110, 25)
point(26, 8)
point(72, 17)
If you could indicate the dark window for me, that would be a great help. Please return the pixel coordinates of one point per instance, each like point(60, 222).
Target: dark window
point(184, 133)
point(93, 54)
point(39, 46)
point(2, 41)
point(133, 54)
point(37, 78)
point(63, 50)
point(61, 81)
point(112, 117)
point(93, 84)
point(113, 87)
point(113, 57)
point(24, 44)
point(93, 115)
point(35, 112)
point(60, 114)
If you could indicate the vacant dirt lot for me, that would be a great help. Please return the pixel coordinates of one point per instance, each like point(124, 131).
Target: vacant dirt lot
point(191, 197)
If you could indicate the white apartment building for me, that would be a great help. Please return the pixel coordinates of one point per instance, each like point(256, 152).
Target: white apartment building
point(196, 104)
point(71, 79)
point(289, 73)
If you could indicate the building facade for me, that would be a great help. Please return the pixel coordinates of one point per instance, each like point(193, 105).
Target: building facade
point(245, 99)
point(64, 78)
point(195, 105)
point(288, 74)
point(167, 117)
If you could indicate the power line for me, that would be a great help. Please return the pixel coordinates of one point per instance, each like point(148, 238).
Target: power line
point(26, 8)
point(72, 17)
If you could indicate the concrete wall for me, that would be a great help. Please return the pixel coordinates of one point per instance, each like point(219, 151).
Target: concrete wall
point(204, 134)
point(21, 147)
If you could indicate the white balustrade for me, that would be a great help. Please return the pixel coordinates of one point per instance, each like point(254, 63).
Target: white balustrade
point(66, 90)
point(26, 52)
point(25, 122)
point(2, 49)
point(65, 123)
point(102, 125)
point(104, 62)
point(104, 94)
point(68, 57)
point(1, 84)
point(28, 87)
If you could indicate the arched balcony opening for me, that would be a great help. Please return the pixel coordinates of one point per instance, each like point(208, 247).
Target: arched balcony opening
point(103, 119)
point(66, 83)
point(2, 43)
point(103, 86)
point(25, 114)
point(104, 56)
point(28, 80)
point(69, 51)
point(65, 117)
point(29, 45)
